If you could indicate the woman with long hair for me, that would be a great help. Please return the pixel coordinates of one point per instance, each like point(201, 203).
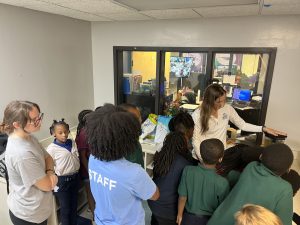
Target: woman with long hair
point(212, 118)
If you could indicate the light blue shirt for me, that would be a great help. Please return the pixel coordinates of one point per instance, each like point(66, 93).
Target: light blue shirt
point(118, 188)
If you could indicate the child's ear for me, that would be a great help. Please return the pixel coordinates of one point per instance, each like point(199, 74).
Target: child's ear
point(16, 125)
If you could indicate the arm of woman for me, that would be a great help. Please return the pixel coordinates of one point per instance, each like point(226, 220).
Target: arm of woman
point(156, 195)
point(273, 131)
point(241, 124)
point(32, 172)
point(143, 186)
point(49, 162)
point(47, 183)
point(197, 135)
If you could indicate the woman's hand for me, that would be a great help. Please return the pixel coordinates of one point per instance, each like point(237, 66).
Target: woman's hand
point(53, 179)
point(273, 131)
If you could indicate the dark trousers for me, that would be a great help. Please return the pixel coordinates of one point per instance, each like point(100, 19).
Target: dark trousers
point(156, 220)
point(296, 218)
point(17, 221)
point(192, 219)
point(67, 195)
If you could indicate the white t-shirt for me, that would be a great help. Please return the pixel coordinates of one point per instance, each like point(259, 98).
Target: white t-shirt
point(65, 162)
point(25, 161)
point(218, 127)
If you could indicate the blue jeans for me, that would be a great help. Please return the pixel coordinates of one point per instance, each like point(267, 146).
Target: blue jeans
point(67, 196)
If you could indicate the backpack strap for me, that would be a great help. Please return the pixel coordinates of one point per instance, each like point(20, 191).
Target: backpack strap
point(7, 180)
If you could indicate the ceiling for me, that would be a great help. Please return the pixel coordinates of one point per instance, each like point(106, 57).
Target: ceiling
point(129, 10)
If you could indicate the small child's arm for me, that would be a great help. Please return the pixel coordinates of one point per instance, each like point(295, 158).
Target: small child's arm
point(181, 205)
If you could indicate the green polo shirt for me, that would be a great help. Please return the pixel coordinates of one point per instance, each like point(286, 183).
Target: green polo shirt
point(204, 189)
point(136, 156)
point(260, 186)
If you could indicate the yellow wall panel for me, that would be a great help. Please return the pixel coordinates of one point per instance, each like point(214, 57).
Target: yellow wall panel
point(144, 63)
point(250, 64)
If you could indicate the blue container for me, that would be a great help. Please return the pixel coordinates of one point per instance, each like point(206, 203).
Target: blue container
point(126, 85)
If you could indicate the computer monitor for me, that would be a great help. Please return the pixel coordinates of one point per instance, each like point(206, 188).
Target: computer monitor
point(181, 66)
point(241, 95)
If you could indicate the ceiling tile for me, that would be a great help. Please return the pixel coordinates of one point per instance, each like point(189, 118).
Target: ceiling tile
point(111, 10)
point(86, 16)
point(172, 14)
point(92, 6)
point(55, 9)
point(287, 9)
point(221, 11)
point(126, 16)
point(281, 2)
point(18, 2)
point(144, 5)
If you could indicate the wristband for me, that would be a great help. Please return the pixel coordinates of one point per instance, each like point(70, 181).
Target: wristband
point(47, 170)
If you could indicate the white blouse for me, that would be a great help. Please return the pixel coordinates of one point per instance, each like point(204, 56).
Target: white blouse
point(218, 127)
point(65, 162)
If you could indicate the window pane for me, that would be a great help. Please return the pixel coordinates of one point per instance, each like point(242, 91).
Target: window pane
point(243, 77)
point(139, 80)
point(184, 77)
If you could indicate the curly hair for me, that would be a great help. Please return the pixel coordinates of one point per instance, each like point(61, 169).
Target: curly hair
point(174, 143)
point(181, 122)
point(82, 119)
point(112, 133)
point(211, 150)
point(277, 157)
point(56, 123)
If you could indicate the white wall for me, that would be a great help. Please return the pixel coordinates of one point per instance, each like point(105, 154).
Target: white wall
point(282, 32)
point(47, 59)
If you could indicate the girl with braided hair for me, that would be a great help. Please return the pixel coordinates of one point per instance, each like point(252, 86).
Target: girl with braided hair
point(168, 166)
point(66, 165)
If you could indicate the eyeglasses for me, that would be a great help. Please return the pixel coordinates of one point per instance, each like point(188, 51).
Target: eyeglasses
point(37, 120)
